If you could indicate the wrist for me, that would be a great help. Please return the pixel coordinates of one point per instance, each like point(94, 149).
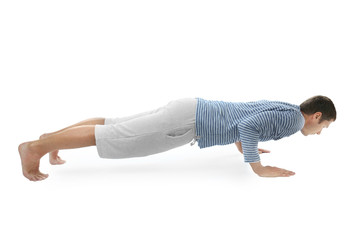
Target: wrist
point(256, 166)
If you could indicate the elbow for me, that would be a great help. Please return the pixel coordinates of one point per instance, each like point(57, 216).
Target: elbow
point(239, 147)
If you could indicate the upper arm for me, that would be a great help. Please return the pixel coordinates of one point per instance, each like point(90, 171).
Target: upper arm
point(250, 130)
point(249, 142)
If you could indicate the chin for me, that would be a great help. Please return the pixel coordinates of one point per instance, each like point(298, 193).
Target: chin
point(304, 133)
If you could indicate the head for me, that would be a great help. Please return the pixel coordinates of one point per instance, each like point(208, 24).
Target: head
point(319, 112)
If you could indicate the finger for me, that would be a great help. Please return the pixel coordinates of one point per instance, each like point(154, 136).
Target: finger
point(288, 173)
point(280, 172)
point(283, 169)
point(263, 151)
point(285, 175)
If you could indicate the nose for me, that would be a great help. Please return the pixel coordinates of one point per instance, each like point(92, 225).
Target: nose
point(318, 133)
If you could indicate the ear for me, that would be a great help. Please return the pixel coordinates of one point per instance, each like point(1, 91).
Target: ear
point(317, 115)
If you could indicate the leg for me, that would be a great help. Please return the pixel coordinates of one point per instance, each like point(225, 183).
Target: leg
point(32, 152)
point(169, 127)
point(91, 121)
point(54, 158)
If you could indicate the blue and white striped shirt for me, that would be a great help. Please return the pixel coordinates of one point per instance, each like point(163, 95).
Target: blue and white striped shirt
point(221, 123)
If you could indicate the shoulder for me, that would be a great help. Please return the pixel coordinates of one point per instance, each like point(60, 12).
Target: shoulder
point(283, 114)
point(291, 118)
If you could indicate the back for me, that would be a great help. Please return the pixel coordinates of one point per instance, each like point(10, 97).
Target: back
point(217, 122)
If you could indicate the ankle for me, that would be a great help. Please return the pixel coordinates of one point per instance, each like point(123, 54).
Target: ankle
point(36, 148)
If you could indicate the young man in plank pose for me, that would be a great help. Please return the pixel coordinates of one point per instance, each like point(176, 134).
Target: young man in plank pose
point(182, 121)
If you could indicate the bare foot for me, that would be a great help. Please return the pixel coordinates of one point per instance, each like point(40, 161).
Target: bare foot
point(30, 161)
point(54, 158)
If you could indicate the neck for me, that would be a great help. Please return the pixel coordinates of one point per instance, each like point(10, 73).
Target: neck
point(306, 117)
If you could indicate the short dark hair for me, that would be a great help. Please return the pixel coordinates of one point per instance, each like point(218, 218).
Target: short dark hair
point(320, 104)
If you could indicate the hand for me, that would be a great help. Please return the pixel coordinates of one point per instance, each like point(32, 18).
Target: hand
point(268, 171)
point(263, 151)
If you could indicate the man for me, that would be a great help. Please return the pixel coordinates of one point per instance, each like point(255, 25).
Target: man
point(182, 121)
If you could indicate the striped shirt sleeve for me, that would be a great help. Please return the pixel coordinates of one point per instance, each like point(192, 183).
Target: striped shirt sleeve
point(250, 130)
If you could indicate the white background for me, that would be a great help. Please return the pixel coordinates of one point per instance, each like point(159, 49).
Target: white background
point(65, 61)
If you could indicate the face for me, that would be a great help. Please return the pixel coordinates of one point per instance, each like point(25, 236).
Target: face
point(313, 125)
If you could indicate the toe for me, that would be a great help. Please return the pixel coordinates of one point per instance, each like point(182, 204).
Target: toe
point(60, 161)
point(29, 176)
point(37, 177)
point(32, 178)
point(43, 176)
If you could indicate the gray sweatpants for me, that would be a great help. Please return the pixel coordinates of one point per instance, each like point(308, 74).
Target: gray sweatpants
point(160, 130)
